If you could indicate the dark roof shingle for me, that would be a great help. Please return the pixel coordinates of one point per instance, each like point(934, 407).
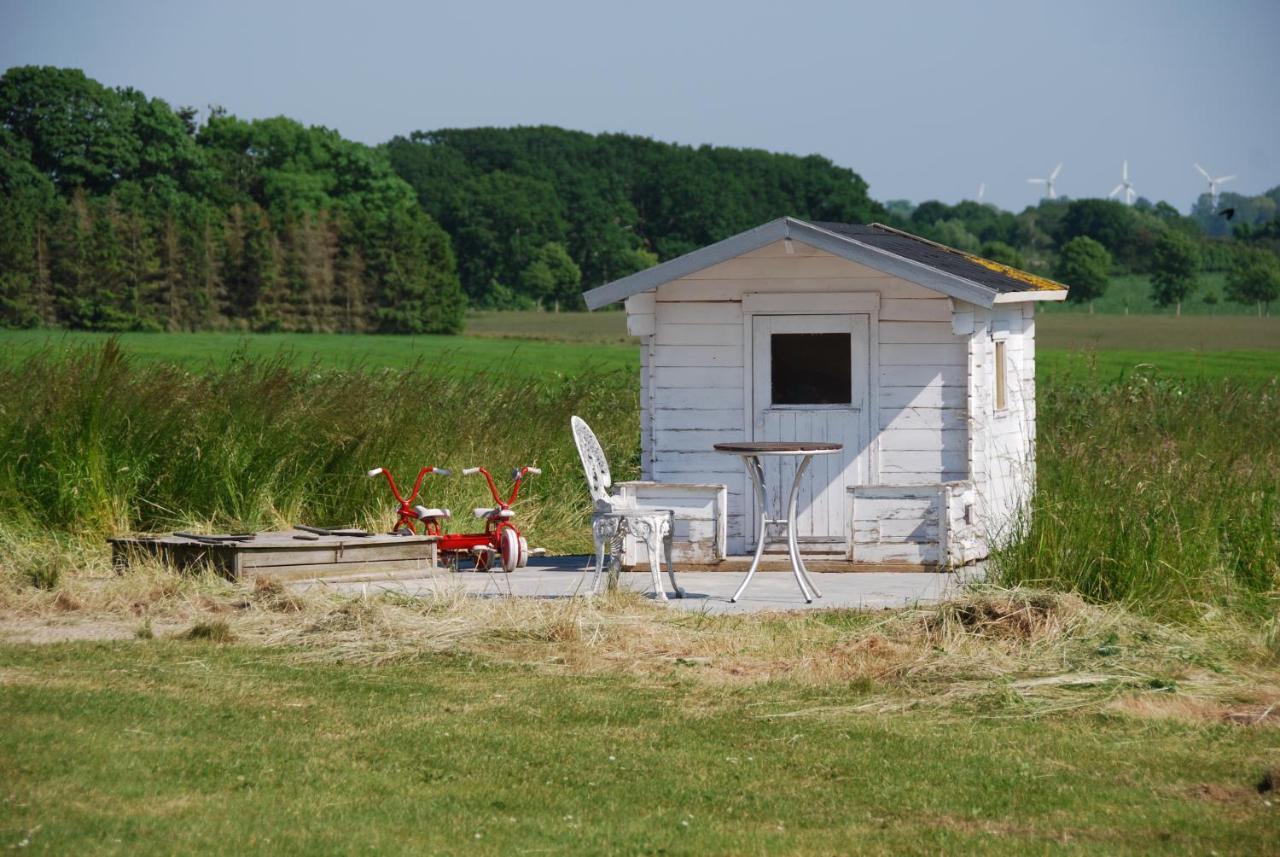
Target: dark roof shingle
point(993, 275)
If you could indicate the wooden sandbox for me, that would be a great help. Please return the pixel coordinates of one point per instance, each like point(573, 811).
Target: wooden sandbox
point(287, 555)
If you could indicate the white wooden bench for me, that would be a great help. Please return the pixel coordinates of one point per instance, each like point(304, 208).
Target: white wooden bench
point(926, 525)
point(701, 520)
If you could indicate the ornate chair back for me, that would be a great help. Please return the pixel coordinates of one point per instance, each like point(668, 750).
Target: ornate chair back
point(594, 462)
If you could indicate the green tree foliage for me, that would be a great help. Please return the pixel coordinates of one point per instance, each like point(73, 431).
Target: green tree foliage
point(1084, 266)
point(117, 213)
point(1175, 262)
point(615, 203)
point(1265, 236)
point(1114, 225)
point(553, 279)
point(998, 251)
point(1254, 279)
point(1246, 210)
point(80, 132)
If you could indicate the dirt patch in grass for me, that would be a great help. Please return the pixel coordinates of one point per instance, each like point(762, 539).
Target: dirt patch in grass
point(1238, 800)
point(1258, 711)
point(45, 631)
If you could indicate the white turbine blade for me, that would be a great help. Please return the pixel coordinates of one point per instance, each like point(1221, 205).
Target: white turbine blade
point(1124, 171)
point(1053, 175)
point(1225, 179)
point(1113, 193)
point(1038, 181)
point(1203, 171)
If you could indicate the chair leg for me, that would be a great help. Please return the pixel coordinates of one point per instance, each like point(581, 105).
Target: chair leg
point(598, 532)
point(656, 567)
point(671, 569)
point(617, 543)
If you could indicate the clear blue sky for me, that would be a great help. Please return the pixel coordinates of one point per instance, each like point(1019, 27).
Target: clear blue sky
point(925, 100)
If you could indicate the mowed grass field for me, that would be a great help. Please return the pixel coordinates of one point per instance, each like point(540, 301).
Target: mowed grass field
point(1122, 698)
point(153, 747)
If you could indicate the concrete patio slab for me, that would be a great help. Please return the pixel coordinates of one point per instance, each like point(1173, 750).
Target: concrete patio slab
point(705, 591)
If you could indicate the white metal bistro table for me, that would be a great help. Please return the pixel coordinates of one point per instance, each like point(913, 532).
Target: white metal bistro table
point(751, 452)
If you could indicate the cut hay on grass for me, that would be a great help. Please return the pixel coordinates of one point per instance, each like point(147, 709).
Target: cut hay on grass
point(1005, 653)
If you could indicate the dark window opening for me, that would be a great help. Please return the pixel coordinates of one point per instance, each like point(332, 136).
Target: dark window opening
point(812, 368)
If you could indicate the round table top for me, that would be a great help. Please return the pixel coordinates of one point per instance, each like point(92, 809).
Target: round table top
point(779, 447)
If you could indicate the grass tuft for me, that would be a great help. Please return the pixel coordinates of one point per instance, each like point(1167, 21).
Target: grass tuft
point(211, 630)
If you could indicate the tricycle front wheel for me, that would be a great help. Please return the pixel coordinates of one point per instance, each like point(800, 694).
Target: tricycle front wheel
point(509, 548)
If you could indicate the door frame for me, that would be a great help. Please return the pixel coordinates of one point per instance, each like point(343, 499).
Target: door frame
point(810, 303)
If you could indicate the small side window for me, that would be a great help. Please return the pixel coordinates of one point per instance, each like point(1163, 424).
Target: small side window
point(1002, 381)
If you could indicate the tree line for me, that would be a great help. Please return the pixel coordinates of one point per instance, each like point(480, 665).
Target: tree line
point(120, 212)
point(1084, 242)
point(601, 206)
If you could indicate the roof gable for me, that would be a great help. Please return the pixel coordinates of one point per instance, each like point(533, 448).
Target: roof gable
point(942, 269)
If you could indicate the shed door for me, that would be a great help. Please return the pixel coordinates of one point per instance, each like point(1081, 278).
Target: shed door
point(811, 375)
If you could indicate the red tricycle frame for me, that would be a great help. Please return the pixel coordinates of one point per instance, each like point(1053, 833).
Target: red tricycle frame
point(500, 538)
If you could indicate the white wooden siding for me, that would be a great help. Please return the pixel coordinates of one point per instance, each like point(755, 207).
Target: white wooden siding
point(696, 377)
point(1002, 444)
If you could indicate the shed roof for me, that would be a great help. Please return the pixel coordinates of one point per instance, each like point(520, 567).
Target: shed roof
point(935, 266)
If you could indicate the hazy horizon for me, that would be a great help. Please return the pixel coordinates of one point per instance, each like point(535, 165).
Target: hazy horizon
point(925, 102)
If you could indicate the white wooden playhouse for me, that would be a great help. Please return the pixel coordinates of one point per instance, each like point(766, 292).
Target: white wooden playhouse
point(919, 358)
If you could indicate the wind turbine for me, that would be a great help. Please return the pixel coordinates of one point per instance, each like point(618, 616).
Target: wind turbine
point(982, 190)
point(1125, 185)
point(1213, 183)
point(1048, 182)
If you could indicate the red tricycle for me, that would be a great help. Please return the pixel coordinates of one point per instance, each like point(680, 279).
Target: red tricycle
point(500, 536)
point(407, 515)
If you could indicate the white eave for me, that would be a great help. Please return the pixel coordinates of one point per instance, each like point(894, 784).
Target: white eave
point(843, 246)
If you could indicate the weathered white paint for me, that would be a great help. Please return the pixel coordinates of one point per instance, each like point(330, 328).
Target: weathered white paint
point(700, 534)
point(822, 517)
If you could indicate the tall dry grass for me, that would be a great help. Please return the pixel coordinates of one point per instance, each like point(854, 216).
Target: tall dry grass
point(1162, 494)
point(93, 444)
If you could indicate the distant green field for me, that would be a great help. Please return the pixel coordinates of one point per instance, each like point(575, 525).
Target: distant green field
point(1131, 293)
point(1060, 365)
point(532, 343)
point(603, 326)
point(430, 353)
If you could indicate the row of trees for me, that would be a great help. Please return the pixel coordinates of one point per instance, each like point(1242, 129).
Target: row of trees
point(517, 199)
point(118, 212)
point(1084, 242)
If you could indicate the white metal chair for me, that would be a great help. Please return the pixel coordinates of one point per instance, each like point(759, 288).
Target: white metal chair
point(614, 517)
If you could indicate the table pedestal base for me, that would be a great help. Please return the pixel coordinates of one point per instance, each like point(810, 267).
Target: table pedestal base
point(768, 525)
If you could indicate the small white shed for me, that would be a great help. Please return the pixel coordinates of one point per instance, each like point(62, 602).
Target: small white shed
point(919, 358)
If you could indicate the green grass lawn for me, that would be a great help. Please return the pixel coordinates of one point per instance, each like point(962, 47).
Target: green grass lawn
point(530, 343)
point(168, 747)
point(1057, 365)
point(432, 353)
